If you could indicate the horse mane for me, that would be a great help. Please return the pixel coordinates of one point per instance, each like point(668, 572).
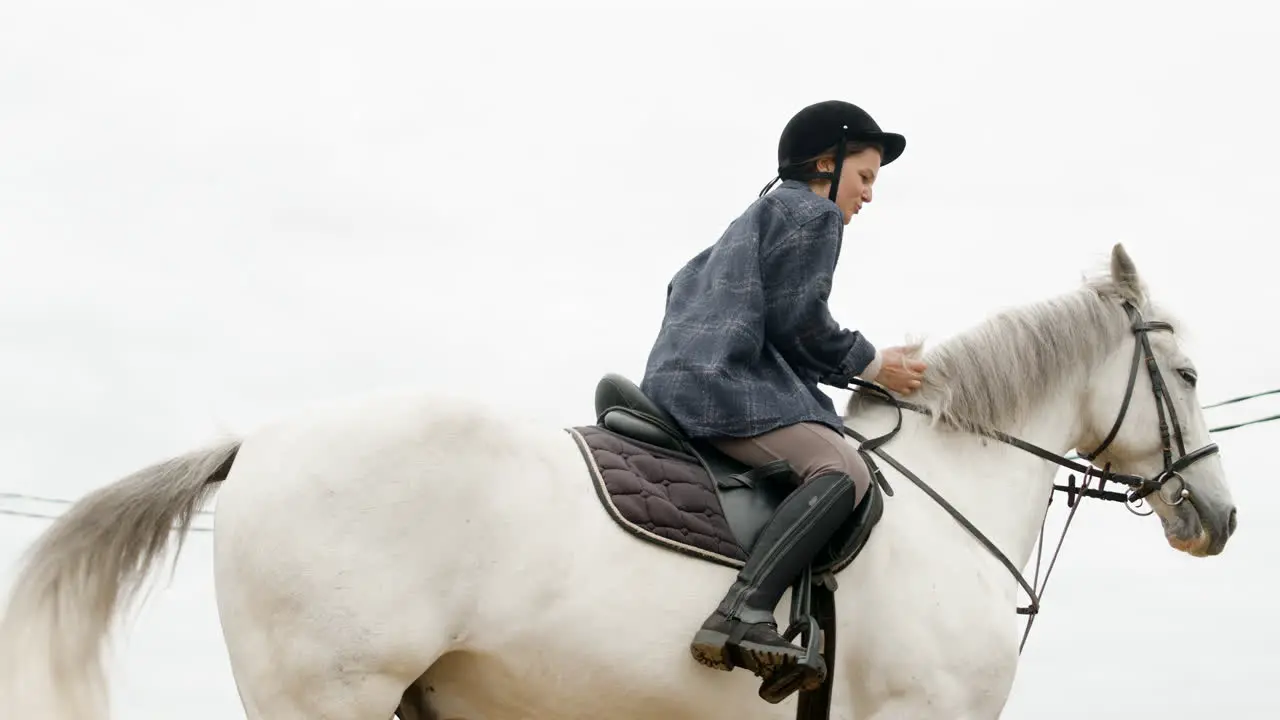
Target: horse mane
point(991, 375)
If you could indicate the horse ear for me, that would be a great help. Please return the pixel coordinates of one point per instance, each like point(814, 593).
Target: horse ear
point(1125, 276)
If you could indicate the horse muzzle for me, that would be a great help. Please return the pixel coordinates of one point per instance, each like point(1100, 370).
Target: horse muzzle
point(1193, 524)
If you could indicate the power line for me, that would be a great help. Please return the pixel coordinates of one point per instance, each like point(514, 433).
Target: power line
point(1224, 428)
point(19, 513)
point(42, 516)
point(1242, 398)
point(56, 501)
point(195, 528)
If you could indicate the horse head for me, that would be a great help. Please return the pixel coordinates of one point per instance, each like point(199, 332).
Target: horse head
point(1142, 418)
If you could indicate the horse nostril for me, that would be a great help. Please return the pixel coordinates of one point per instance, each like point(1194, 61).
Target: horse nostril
point(1231, 522)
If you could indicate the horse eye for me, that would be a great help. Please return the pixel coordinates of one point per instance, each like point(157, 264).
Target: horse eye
point(1189, 375)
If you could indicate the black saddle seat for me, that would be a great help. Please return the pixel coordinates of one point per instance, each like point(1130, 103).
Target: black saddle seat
point(646, 421)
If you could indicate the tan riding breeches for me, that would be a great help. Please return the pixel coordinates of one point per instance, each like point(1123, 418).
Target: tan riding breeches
point(811, 448)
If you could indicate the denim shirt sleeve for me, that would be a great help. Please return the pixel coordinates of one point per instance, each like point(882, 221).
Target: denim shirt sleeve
point(797, 267)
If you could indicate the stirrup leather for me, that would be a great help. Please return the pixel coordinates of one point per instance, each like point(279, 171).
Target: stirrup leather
point(782, 684)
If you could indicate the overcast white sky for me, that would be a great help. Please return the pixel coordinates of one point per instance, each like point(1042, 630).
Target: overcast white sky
point(215, 214)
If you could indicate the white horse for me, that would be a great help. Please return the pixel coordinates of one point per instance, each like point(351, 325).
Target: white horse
point(421, 543)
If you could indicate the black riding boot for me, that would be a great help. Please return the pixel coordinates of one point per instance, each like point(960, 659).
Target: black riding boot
point(742, 631)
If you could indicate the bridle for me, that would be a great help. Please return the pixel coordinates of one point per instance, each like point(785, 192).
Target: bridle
point(1172, 468)
point(1170, 429)
point(1139, 487)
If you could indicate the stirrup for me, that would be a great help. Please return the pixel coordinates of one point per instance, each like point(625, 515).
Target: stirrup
point(783, 683)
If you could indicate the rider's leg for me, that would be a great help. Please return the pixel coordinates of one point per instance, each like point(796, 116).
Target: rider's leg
point(811, 448)
point(742, 630)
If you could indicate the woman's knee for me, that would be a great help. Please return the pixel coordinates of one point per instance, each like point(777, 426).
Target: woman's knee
point(841, 457)
point(853, 466)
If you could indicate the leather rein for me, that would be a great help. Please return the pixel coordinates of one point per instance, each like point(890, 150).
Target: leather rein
point(1139, 487)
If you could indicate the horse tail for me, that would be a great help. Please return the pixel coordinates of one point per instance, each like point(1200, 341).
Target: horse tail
point(88, 566)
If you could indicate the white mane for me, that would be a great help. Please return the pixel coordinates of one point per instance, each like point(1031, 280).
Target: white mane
point(989, 376)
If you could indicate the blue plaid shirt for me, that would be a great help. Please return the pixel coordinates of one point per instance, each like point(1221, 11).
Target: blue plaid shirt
point(747, 336)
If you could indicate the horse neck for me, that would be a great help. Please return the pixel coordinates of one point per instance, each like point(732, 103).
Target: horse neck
point(1001, 489)
point(1025, 481)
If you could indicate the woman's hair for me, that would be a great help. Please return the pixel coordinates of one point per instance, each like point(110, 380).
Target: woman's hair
point(850, 148)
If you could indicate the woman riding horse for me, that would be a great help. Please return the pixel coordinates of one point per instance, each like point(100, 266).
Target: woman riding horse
point(746, 339)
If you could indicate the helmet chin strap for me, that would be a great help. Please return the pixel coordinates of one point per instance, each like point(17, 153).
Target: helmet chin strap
point(835, 176)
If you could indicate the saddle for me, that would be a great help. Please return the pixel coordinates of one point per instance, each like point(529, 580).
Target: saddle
point(682, 494)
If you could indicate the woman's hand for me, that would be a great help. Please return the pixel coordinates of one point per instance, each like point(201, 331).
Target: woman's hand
point(900, 373)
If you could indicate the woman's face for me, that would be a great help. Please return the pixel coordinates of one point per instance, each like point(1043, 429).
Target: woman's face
point(857, 175)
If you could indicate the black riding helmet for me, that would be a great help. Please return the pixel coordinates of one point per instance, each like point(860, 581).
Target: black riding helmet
point(825, 125)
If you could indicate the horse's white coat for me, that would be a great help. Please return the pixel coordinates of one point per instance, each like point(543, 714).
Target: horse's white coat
point(357, 548)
